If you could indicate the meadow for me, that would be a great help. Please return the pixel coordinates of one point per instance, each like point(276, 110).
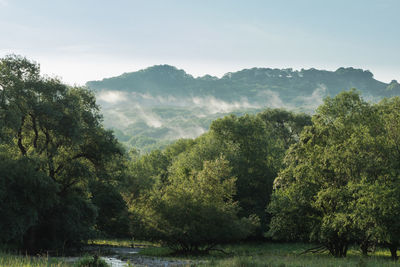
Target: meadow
point(11, 260)
point(231, 255)
point(276, 255)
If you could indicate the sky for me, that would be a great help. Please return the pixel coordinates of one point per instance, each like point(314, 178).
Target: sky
point(83, 40)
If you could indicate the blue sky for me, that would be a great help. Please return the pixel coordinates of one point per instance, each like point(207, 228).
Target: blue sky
point(86, 40)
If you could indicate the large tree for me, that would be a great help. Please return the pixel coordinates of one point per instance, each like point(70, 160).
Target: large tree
point(58, 128)
point(341, 182)
point(193, 214)
point(254, 145)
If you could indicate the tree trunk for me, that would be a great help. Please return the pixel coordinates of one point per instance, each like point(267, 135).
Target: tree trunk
point(393, 252)
point(364, 246)
point(338, 249)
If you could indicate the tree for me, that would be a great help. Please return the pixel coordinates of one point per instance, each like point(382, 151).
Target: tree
point(113, 217)
point(194, 214)
point(285, 125)
point(25, 196)
point(323, 171)
point(254, 146)
point(379, 194)
point(252, 152)
point(57, 128)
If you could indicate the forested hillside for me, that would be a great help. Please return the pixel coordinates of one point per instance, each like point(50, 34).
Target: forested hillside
point(149, 108)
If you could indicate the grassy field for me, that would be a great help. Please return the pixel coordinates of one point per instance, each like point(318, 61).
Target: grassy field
point(9, 260)
point(240, 255)
point(277, 255)
point(122, 243)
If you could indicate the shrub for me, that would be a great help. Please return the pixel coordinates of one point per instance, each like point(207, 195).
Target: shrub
point(89, 261)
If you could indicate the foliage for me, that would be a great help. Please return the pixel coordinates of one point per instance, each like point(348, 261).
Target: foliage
point(251, 152)
point(284, 125)
point(196, 213)
point(7, 260)
point(164, 80)
point(184, 106)
point(91, 261)
point(254, 147)
point(25, 197)
point(274, 255)
point(341, 181)
point(57, 129)
point(113, 217)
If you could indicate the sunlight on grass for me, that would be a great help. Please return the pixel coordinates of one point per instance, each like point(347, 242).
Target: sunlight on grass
point(122, 243)
point(8, 260)
point(277, 254)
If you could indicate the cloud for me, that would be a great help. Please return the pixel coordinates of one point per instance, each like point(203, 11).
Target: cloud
point(117, 119)
point(182, 121)
point(214, 105)
point(112, 97)
point(149, 118)
point(158, 99)
point(311, 102)
point(272, 99)
point(188, 132)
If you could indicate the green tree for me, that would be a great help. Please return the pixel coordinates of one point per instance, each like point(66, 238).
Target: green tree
point(25, 196)
point(253, 154)
point(378, 195)
point(254, 145)
point(193, 214)
point(286, 126)
point(322, 173)
point(113, 217)
point(58, 128)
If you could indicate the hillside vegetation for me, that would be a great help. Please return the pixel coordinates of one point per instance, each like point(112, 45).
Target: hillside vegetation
point(149, 108)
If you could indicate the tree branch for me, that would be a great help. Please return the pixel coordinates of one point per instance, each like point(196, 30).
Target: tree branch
point(20, 145)
point(77, 156)
point(34, 127)
point(317, 249)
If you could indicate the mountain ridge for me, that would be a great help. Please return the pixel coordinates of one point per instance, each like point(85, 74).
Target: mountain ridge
point(169, 80)
point(161, 103)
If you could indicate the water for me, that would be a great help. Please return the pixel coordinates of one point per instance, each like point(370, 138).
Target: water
point(114, 262)
point(129, 253)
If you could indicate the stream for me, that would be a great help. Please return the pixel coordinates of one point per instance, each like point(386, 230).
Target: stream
point(121, 256)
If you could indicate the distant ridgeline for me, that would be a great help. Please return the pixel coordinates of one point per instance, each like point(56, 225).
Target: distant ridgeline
point(151, 107)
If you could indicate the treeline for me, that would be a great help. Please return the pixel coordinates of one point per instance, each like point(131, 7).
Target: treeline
point(213, 189)
point(165, 80)
point(331, 179)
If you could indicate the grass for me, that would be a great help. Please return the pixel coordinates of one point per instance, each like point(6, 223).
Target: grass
point(9, 260)
point(89, 261)
point(238, 255)
point(277, 255)
point(121, 243)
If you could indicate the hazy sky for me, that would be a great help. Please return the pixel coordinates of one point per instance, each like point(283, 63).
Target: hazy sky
point(81, 40)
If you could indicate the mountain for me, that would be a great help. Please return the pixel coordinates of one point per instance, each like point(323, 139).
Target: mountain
point(151, 107)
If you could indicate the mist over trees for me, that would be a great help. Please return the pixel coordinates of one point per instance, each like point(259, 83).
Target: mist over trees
point(150, 108)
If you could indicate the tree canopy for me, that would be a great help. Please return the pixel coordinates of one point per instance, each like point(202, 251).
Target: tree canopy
point(340, 181)
point(56, 132)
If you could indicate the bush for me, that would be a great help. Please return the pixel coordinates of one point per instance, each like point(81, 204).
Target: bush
point(89, 261)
